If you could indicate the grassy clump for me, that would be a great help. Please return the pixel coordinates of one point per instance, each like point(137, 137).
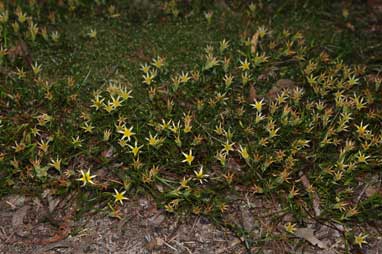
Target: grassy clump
point(265, 112)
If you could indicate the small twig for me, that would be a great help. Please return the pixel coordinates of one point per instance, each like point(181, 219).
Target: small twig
point(3, 232)
point(173, 234)
point(362, 192)
point(328, 224)
point(10, 236)
point(171, 247)
point(62, 244)
point(86, 78)
point(195, 221)
point(233, 244)
point(206, 131)
point(10, 204)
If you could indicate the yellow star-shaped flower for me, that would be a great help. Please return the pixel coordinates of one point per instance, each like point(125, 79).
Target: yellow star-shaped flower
point(258, 105)
point(119, 196)
point(244, 153)
point(188, 157)
point(227, 147)
point(97, 102)
point(127, 133)
point(86, 177)
point(200, 175)
point(290, 228)
point(361, 129)
point(135, 149)
point(360, 239)
point(244, 65)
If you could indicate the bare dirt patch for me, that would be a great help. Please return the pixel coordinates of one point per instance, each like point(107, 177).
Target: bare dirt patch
point(28, 226)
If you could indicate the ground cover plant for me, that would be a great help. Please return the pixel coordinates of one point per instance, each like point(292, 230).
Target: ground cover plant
point(194, 104)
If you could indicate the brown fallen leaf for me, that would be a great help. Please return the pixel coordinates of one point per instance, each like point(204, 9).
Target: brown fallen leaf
point(141, 56)
point(18, 216)
point(280, 85)
point(156, 219)
point(20, 50)
point(108, 153)
point(52, 203)
point(252, 94)
point(375, 5)
point(308, 235)
point(316, 199)
point(233, 165)
point(374, 78)
point(268, 73)
point(154, 243)
point(350, 26)
point(247, 219)
point(254, 41)
point(63, 229)
point(373, 190)
point(221, 4)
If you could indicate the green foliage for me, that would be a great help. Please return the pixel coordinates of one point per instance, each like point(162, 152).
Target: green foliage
point(268, 113)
